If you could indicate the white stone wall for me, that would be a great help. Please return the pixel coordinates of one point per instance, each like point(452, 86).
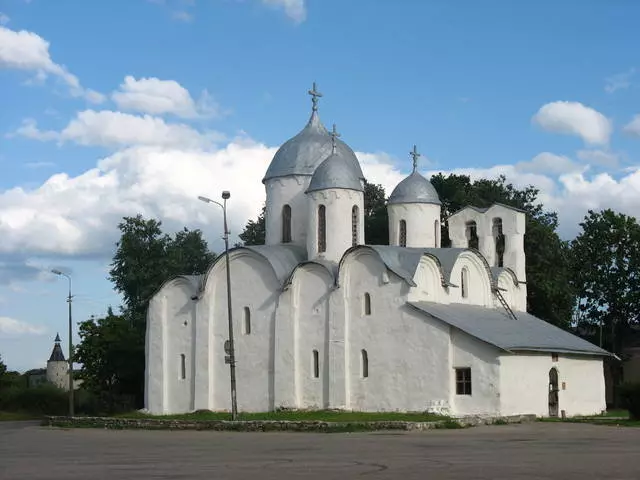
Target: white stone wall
point(525, 384)
point(283, 191)
point(57, 374)
point(482, 358)
point(423, 224)
point(338, 204)
point(407, 353)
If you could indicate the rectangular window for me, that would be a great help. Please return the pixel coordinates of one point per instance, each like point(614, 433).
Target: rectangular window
point(463, 381)
point(183, 367)
point(316, 364)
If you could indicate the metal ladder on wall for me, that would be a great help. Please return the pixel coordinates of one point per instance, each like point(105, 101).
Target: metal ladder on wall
point(504, 303)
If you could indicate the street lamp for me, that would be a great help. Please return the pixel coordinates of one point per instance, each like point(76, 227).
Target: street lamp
point(231, 350)
point(69, 299)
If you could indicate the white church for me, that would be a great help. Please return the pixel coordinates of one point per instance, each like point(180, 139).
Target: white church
point(324, 321)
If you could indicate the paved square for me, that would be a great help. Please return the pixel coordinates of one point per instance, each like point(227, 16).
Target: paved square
point(529, 451)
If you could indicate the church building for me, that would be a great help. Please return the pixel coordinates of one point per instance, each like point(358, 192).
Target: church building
point(324, 321)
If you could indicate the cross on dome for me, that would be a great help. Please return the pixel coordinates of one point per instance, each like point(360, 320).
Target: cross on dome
point(315, 94)
point(414, 154)
point(334, 136)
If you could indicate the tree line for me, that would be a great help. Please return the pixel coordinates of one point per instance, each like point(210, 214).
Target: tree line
point(590, 285)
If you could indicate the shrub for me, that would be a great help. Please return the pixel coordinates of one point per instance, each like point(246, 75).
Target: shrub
point(44, 399)
point(630, 396)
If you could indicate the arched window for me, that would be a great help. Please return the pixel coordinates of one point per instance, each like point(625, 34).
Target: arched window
point(436, 233)
point(322, 229)
point(355, 224)
point(316, 364)
point(183, 366)
point(472, 234)
point(247, 321)
point(402, 234)
point(464, 282)
point(365, 363)
point(499, 241)
point(286, 224)
point(366, 307)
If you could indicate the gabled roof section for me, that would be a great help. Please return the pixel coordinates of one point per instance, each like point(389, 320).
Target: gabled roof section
point(485, 209)
point(493, 326)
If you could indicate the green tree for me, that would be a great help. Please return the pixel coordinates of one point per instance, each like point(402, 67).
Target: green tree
point(254, 232)
point(376, 220)
point(3, 368)
point(606, 275)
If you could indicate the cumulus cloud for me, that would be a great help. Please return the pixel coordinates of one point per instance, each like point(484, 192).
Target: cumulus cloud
point(11, 326)
point(294, 9)
point(599, 157)
point(619, 81)
point(548, 163)
point(24, 50)
point(158, 97)
point(4, 19)
point(116, 129)
point(574, 118)
point(633, 127)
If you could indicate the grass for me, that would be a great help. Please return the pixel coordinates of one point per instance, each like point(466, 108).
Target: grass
point(16, 416)
point(299, 416)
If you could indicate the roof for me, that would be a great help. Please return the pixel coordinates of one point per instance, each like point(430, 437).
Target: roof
point(495, 327)
point(484, 209)
point(335, 172)
point(414, 189)
point(282, 258)
point(56, 354)
point(302, 154)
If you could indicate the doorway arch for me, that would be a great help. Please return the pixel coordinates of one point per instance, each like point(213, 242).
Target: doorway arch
point(553, 393)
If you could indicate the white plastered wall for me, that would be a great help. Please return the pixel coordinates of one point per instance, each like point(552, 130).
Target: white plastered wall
point(524, 381)
point(57, 374)
point(423, 224)
point(478, 282)
point(338, 207)
point(482, 358)
point(407, 352)
point(283, 191)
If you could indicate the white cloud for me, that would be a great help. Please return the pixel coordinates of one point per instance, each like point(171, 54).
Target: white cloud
point(158, 97)
point(548, 163)
point(294, 9)
point(574, 118)
point(24, 50)
point(115, 129)
point(11, 326)
point(619, 81)
point(4, 19)
point(599, 157)
point(633, 127)
point(182, 16)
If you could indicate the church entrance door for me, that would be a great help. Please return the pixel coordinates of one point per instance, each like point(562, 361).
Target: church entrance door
point(553, 393)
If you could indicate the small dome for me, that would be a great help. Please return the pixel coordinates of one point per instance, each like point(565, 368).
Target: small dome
point(414, 189)
point(302, 154)
point(336, 172)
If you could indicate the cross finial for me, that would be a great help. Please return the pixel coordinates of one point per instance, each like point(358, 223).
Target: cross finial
point(414, 154)
point(315, 94)
point(334, 138)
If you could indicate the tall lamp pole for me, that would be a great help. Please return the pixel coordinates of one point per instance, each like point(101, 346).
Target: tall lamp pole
point(231, 350)
point(69, 299)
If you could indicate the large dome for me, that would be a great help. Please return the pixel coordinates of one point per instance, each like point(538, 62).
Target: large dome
point(302, 154)
point(414, 189)
point(336, 172)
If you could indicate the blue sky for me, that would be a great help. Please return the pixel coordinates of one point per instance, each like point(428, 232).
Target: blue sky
point(138, 106)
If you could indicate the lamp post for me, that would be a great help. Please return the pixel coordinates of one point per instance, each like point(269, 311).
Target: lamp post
point(231, 350)
point(69, 299)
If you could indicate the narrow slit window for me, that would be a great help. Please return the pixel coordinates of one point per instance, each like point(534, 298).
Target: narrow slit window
point(366, 304)
point(463, 381)
point(247, 321)
point(286, 224)
point(436, 233)
point(472, 235)
point(499, 241)
point(322, 229)
point(402, 234)
point(355, 225)
point(183, 366)
point(464, 282)
point(316, 364)
point(365, 364)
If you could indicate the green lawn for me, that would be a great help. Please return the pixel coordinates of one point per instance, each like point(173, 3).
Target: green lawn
point(319, 415)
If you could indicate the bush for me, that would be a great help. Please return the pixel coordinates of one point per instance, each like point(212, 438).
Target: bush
point(44, 399)
point(630, 396)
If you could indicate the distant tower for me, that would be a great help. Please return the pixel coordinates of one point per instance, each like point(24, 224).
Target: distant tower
point(335, 206)
point(58, 367)
point(414, 211)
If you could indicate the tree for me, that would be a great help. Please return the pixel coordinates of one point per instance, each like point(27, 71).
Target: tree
point(3, 368)
point(606, 275)
point(254, 232)
point(376, 220)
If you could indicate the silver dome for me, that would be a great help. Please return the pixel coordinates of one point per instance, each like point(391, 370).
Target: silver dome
point(335, 172)
point(302, 154)
point(414, 189)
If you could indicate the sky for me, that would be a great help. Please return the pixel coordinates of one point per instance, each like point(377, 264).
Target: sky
point(114, 108)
